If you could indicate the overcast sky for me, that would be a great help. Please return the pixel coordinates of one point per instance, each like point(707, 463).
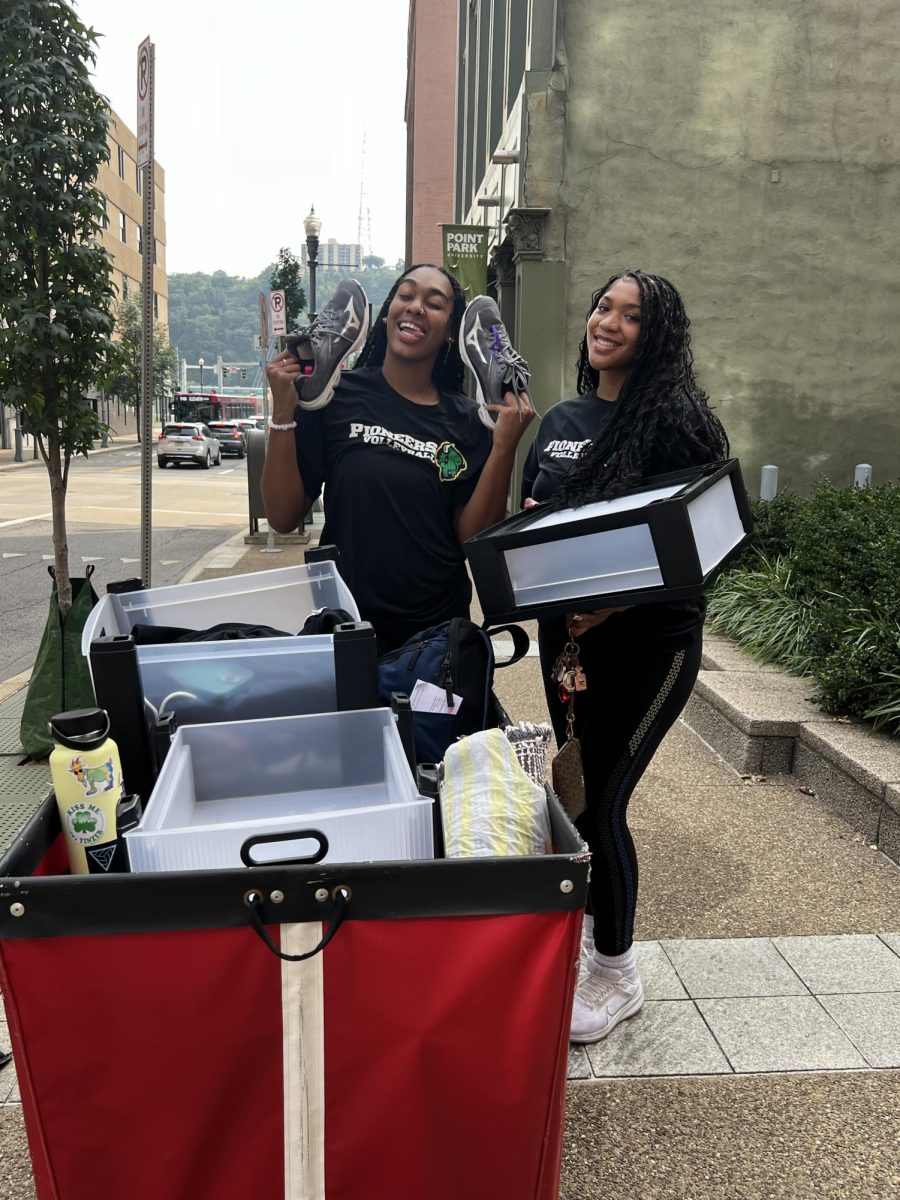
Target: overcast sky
point(260, 114)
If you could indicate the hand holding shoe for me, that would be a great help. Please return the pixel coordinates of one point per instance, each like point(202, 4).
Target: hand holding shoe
point(281, 373)
point(511, 419)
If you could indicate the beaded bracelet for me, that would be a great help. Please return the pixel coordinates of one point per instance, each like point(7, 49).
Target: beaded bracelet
point(289, 425)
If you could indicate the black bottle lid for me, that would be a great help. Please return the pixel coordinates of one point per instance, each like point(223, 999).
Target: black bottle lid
point(81, 728)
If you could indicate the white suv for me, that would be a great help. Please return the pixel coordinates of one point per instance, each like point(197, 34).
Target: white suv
point(188, 441)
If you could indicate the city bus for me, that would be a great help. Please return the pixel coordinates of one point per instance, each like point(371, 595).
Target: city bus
point(209, 406)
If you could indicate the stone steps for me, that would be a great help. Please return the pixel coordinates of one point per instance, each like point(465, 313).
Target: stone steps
point(761, 721)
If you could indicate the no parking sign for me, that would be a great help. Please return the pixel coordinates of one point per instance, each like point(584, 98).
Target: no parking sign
point(144, 71)
point(278, 310)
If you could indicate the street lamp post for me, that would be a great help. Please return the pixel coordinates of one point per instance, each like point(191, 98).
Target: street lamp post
point(201, 364)
point(313, 227)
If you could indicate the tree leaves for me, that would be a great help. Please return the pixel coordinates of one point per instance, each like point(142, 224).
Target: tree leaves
point(55, 292)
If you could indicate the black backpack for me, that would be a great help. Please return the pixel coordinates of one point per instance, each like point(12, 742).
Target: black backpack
point(456, 657)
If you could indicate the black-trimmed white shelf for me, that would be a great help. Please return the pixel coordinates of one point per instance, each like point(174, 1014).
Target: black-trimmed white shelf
point(665, 540)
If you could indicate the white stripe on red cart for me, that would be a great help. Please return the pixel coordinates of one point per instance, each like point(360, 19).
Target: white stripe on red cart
point(303, 1012)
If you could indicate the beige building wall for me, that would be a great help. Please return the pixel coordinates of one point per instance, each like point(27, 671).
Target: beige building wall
point(118, 181)
point(430, 126)
point(747, 150)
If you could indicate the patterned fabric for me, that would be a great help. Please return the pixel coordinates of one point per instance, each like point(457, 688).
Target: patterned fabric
point(531, 743)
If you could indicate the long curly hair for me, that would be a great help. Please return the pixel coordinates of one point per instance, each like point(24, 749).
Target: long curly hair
point(447, 372)
point(661, 413)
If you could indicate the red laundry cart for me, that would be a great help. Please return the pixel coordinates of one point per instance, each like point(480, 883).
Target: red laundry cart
point(165, 1052)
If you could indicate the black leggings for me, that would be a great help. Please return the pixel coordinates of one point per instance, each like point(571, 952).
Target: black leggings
point(637, 686)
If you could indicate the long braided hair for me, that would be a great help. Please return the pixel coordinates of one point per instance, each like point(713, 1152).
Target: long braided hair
point(662, 413)
point(447, 372)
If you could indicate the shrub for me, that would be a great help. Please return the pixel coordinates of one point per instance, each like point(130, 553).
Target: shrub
point(818, 591)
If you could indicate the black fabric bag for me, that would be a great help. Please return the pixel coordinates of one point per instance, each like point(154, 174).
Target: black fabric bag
point(456, 657)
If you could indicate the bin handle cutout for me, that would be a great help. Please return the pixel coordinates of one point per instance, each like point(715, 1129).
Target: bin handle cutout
point(298, 835)
point(254, 902)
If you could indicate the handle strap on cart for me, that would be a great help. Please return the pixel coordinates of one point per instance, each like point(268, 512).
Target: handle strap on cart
point(255, 900)
point(520, 641)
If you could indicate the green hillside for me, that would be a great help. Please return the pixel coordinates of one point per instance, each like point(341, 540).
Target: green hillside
point(219, 314)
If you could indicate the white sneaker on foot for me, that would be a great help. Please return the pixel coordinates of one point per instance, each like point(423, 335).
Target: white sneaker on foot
point(603, 998)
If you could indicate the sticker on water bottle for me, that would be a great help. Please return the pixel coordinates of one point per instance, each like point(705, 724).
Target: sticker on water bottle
point(85, 823)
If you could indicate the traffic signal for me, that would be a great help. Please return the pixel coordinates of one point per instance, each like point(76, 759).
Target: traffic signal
point(243, 373)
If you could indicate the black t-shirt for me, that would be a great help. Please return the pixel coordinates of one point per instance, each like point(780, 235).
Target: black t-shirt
point(563, 433)
point(395, 474)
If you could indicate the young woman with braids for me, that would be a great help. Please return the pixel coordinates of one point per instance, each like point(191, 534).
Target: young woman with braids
point(409, 470)
point(639, 412)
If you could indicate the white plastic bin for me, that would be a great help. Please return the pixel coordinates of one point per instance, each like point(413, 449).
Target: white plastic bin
point(344, 775)
point(233, 680)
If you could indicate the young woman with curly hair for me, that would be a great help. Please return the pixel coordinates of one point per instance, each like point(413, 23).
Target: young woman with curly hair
point(639, 412)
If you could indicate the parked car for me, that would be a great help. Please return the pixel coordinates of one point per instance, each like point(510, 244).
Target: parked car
point(231, 437)
point(188, 441)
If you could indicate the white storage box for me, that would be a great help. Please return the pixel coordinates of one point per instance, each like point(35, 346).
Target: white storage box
point(662, 541)
point(233, 680)
point(342, 775)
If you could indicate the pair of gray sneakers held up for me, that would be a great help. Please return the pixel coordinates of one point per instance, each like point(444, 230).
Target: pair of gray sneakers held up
point(343, 326)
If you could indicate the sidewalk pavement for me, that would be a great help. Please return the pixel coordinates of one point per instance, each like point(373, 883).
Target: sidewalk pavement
point(126, 439)
point(765, 1063)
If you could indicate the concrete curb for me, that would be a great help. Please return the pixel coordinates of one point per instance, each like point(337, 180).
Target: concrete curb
point(39, 462)
point(9, 687)
point(202, 564)
point(762, 722)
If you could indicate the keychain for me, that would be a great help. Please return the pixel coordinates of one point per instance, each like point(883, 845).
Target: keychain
point(568, 672)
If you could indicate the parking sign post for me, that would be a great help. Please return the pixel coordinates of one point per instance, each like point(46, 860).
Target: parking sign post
point(145, 63)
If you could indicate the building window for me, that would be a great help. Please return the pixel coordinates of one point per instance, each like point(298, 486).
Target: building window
point(155, 243)
point(140, 237)
point(155, 307)
point(104, 216)
point(123, 229)
point(138, 182)
point(121, 162)
point(124, 286)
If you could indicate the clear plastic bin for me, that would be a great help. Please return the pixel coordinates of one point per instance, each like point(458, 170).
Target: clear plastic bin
point(283, 598)
point(233, 680)
point(344, 775)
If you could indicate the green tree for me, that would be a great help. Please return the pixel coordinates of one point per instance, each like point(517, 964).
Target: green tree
point(215, 314)
point(286, 276)
point(122, 375)
point(55, 293)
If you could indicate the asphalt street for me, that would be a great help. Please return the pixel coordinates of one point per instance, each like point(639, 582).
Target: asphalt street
point(193, 511)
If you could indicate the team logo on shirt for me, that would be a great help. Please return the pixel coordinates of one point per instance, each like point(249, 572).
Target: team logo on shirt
point(561, 448)
point(450, 462)
point(448, 458)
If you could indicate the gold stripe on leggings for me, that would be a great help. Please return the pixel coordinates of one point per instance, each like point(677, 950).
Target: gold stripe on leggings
point(650, 716)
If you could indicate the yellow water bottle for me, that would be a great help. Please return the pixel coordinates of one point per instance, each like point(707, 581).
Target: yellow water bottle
point(87, 779)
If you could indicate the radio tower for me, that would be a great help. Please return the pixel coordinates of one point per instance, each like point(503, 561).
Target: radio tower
point(362, 193)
